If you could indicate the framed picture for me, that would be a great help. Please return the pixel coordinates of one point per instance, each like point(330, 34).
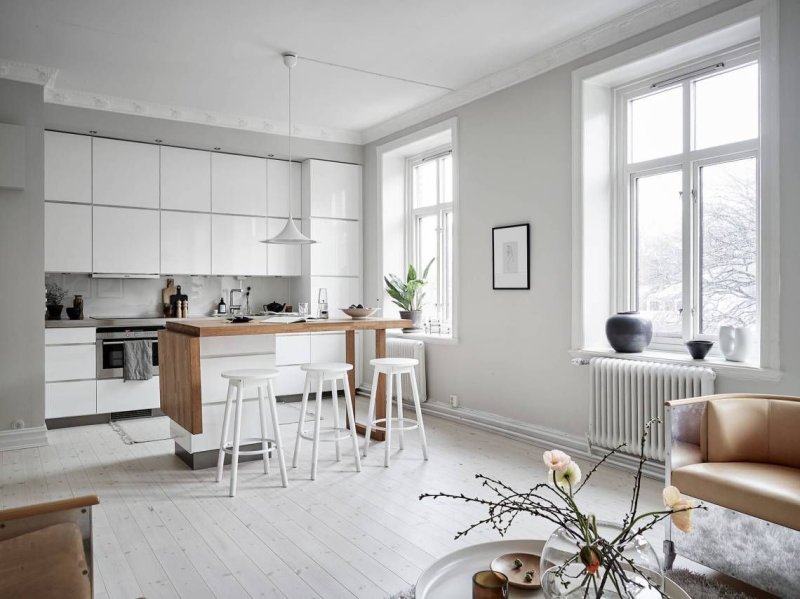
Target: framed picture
point(511, 249)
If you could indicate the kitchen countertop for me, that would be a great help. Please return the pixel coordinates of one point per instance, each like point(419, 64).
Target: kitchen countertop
point(119, 322)
point(211, 327)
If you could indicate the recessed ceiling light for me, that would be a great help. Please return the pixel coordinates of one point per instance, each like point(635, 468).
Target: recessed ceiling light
point(158, 141)
point(270, 155)
point(217, 148)
point(93, 132)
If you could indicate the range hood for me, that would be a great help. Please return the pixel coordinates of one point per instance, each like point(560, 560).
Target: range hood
point(111, 275)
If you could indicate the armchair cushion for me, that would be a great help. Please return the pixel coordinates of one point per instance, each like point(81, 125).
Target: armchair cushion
point(48, 563)
point(767, 491)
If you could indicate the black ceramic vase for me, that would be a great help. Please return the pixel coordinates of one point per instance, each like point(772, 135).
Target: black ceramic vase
point(628, 332)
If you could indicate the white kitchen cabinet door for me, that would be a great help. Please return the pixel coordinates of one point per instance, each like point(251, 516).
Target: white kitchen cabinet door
point(69, 362)
point(67, 237)
point(235, 247)
point(342, 291)
point(125, 173)
point(185, 179)
point(67, 167)
point(70, 336)
point(238, 184)
point(116, 395)
point(125, 240)
point(292, 349)
point(282, 260)
point(75, 398)
point(185, 243)
point(338, 248)
point(334, 189)
point(278, 188)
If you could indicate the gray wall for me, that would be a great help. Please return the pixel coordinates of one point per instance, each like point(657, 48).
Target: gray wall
point(515, 158)
point(22, 266)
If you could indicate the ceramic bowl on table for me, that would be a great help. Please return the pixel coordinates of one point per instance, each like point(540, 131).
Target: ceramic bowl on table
point(359, 313)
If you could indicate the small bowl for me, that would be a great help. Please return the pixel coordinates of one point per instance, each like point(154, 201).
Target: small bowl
point(73, 313)
point(359, 313)
point(699, 348)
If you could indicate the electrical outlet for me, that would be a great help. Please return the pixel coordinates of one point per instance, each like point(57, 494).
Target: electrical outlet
point(454, 401)
point(18, 424)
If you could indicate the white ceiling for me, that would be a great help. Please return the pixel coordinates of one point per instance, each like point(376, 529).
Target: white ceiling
point(223, 57)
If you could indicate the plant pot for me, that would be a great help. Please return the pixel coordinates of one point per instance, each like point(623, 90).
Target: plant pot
point(54, 311)
point(699, 348)
point(415, 316)
point(563, 571)
point(628, 332)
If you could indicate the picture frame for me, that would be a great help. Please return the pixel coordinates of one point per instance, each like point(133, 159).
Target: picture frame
point(511, 249)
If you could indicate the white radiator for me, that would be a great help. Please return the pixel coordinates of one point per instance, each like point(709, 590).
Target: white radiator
point(410, 348)
point(626, 394)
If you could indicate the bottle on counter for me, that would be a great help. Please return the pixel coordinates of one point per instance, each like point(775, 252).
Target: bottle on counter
point(222, 307)
point(322, 302)
point(77, 303)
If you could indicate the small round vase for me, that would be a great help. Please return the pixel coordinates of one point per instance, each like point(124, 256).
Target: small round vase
point(629, 332)
point(563, 570)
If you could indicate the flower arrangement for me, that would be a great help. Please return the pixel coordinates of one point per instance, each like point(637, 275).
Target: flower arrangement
point(598, 560)
point(54, 294)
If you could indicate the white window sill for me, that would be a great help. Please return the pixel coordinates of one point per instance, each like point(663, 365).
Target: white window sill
point(426, 337)
point(736, 370)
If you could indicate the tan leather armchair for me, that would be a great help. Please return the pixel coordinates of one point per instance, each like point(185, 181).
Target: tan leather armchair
point(46, 550)
point(740, 455)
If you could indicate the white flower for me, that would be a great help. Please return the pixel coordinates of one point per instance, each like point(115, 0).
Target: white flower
point(556, 460)
point(568, 478)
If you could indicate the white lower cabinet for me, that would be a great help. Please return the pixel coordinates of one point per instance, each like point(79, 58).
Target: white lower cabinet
point(215, 388)
point(73, 398)
point(291, 380)
point(116, 395)
point(69, 362)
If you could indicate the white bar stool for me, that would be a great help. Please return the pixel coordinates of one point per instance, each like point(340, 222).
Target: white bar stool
point(237, 381)
point(394, 367)
point(318, 374)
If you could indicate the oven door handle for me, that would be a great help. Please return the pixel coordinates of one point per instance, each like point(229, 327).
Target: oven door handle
point(122, 342)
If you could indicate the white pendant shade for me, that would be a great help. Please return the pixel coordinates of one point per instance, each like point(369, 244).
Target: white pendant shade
point(290, 235)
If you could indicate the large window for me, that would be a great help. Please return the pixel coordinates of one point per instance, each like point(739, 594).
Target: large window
point(688, 198)
point(429, 227)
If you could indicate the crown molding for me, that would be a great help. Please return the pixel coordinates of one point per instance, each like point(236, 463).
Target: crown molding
point(630, 24)
point(27, 72)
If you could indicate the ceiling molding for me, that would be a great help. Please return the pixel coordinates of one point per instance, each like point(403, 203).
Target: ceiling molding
point(628, 25)
point(46, 76)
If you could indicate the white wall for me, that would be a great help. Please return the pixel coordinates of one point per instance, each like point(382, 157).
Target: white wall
point(22, 267)
point(515, 166)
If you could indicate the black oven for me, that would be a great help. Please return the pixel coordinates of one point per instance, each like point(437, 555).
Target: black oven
point(111, 348)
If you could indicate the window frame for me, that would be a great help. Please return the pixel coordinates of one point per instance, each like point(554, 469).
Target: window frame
point(689, 162)
point(444, 297)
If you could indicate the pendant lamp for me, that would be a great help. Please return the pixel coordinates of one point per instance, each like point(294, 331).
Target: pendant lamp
point(290, 235)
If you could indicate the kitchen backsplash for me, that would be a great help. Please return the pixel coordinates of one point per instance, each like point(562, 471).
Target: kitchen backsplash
point(142, 297)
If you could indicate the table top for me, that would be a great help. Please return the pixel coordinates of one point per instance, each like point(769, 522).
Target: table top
point(223, 328)
point(451, 576)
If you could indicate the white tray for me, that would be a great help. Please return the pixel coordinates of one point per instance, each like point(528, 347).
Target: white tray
point(451, 576)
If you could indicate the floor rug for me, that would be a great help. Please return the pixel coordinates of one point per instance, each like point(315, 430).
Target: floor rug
point(146, 430)
point(698, 586)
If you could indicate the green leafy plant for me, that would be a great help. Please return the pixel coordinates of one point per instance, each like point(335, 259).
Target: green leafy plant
point(408, 294)
point(54, 294)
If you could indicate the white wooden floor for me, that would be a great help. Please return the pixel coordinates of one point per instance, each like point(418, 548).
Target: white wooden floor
point(162, 530)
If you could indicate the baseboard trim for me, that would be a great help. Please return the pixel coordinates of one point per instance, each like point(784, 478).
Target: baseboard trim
point(23, 438)
point(540, 436)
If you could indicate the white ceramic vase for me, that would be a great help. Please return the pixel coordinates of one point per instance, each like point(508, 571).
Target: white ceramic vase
point(735, 342)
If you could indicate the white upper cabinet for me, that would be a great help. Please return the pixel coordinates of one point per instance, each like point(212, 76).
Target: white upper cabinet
point(278, 188)
point(185, 179)
point(333, 188)
point(67, 237)
point(235, 245)
point(238, 184)
point(282, 260)
point(185, 243)
point(125, 240)
point(125, 173)
point(338, 248)
point(67, 167)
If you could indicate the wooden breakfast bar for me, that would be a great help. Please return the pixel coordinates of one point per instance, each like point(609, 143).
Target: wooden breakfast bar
point(181, 374)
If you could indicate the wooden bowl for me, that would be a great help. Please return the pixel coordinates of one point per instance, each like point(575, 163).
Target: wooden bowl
point(359, 313)
point(516, 576)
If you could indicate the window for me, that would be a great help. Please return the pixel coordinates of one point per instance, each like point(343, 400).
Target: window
point(687, 204)
point(429, 227)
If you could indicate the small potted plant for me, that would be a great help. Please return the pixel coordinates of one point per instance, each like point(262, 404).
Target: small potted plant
point(408, 294)
point(54, 299)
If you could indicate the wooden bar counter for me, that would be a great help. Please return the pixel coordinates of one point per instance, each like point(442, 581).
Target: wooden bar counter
point(180, 359)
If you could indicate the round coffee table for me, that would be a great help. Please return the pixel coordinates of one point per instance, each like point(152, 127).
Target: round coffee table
point(451, 576)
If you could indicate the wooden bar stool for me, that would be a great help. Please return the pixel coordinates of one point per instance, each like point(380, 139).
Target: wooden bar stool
point(237, 381)
point(317, 375)
point(394, 368)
